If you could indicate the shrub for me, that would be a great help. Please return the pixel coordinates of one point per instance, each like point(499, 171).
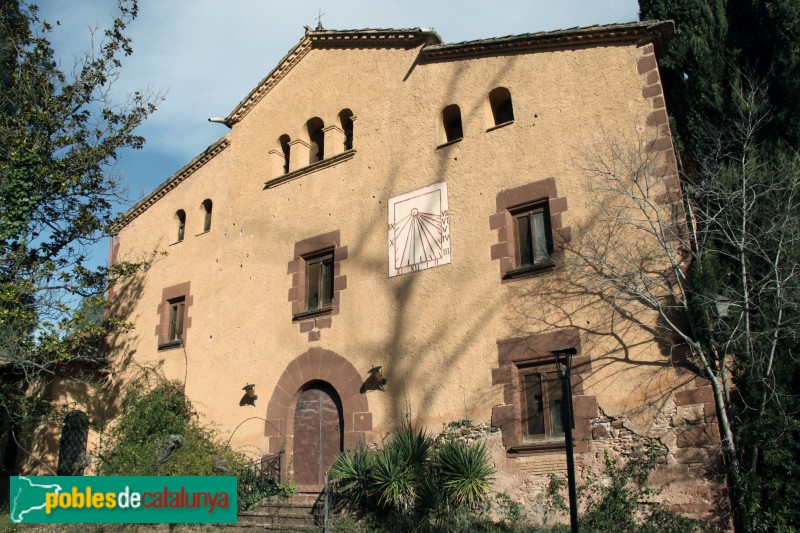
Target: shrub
point(351, 470)
point(158, 433)
point(620, 506)
point(413, 481)
point(465, 472)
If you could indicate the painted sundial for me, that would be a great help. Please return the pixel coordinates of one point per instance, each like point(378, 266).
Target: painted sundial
point(419, 230)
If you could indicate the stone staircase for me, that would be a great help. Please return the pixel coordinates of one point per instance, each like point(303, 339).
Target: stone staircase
point(303, 511)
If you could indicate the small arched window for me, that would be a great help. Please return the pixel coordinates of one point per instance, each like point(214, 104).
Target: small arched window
point(180, 215)
point(207, 212)
point(72, 459)
point(317, 139)
point(284, 140)
point(346, 118)
point(502, 109)
point(451, 122)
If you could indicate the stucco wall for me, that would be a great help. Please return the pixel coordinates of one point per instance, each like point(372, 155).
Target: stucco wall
point(435, 332)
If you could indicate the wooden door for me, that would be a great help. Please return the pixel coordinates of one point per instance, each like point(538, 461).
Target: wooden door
point(318, 433)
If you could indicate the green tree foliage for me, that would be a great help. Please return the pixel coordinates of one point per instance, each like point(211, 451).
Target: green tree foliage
point(732, 81)
point(716, 42)
point(158, 433)
point(61, 132)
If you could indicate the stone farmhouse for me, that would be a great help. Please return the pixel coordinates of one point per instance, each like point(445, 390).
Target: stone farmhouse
point(387, 199)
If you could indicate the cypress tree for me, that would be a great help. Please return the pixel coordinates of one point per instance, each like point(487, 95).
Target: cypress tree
point(723, 49)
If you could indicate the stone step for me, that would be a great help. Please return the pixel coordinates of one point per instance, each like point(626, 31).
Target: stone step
point(246, 527)
point(272, 518)
point(299, 512)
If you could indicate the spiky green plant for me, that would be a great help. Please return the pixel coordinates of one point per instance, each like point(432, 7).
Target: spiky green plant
point(413, 446)
point(432, 500)
point(352, 470)
point(465, 471)
point(393, 480)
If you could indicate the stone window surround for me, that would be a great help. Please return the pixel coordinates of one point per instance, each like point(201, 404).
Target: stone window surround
point(544, 192)
point(518, 352)
point(312, 322)
point(168, 295)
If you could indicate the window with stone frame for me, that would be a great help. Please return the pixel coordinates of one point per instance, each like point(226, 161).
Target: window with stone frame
point(176, 315)
point(523, 214)
point(541, 398)
point(319, 281)
point(533, 237)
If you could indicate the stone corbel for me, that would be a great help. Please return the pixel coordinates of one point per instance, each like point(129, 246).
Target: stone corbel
point(299, 154)
point(334, 140)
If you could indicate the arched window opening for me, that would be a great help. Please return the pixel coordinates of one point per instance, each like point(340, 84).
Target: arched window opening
point(181, 216)
point(317, 139)
point(502, 109)
point(72, 459)
point(346, 118)
point(207, 220)
point(451, 120)
point(284, 140)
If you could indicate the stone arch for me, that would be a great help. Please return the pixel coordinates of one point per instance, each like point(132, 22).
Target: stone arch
point(317, 364)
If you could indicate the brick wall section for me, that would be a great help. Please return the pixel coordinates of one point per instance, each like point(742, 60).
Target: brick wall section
point(317, 364)
point(297, 269)
point(164, 308)
point(653, 93)
point(536, 349)
point(698, 428)
point(503, 222)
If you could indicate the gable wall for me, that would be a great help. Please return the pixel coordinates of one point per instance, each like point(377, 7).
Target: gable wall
point(436, 331)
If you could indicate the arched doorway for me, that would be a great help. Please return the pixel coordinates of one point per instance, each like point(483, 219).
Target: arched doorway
point(318, 432)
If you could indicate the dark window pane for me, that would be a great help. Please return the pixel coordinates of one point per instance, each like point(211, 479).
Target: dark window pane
point(556, 403)
point(524, 240)
point(176, 321)
point(207, 221)
point(539, 238)
point(504, 112)
point(534, 408)
point(312, 284)
point(327, 281)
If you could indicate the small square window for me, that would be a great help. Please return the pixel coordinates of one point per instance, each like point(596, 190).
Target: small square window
point(533, 239)
point(541, 397)
point(176, 315)
point(319, 281)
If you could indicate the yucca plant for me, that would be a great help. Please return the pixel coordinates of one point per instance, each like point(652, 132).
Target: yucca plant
point(465, 471)
point(351, 472)
point(432, 501)
point(413, 446)
point(393, 480)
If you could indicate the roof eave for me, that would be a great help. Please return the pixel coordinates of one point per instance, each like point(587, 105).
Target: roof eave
point(321, 39)
point(655, 31)
point(187, 170)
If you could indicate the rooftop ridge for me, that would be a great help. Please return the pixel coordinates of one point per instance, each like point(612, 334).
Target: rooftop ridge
point(381, 38)
point(654, 30)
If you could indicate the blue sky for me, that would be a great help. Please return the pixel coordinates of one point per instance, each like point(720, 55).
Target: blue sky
point(207, 55)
